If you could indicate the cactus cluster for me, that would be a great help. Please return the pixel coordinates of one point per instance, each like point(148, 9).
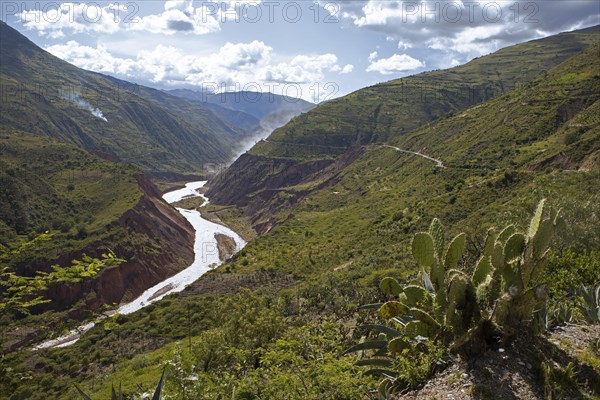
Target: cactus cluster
point(516, 261)
point(441, 304)
point(451, 306)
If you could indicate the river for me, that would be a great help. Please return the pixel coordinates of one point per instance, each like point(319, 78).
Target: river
point(206, 257)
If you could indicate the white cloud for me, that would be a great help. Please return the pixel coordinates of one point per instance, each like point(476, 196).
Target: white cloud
point(377, 13)
point(404, 45)
point(476, 40)
point(373, 56)
point(182, 16)
point(181, 5)
point(396, 63)
point(461, 29)
point(77, 17)
point(94, 58)
point(348, 68)
point(302, 69)
point(232, 67)
point(179, 16)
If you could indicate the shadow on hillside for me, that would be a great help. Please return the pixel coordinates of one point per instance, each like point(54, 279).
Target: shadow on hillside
point(530, 367)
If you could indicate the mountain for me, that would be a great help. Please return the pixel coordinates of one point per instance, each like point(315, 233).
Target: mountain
point(149, 128)
point(383, 113)
point(541, 140)
point(87, 204)
point(257, 113)
point(258, 105)
point(74, 149)
point(335, 219)
point(235, 117)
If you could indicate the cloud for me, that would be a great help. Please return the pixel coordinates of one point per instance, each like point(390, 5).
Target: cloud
point(396, 63)
point(182, 5)
point(179, 16)
point(348, 68)
point(77, 17)
point(458, 29)
point(479, 39)
point(232, 67)
point(403, 45)
point(302, 69)
point(373, 56)
point(94, 58)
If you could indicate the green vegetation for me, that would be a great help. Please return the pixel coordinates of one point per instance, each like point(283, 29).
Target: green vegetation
point(337, 211)
point(20, 293)
point(245, 345)
point(118, 394)
point(458, 311)
point(590, 306)
point(48, 186)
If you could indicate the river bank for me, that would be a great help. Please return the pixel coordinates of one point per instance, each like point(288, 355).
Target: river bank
point(206, 250)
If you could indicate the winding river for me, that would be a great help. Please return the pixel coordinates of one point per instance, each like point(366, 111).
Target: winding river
point(206, 257)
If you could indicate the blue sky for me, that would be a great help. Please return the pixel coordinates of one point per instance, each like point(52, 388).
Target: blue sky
point(310, 49)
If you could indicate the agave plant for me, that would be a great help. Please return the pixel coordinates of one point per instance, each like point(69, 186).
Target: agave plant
point(546, 317)
point(591, 304)
point(118, 394)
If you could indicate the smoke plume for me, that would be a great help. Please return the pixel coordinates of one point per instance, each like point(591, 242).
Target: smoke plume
point(76, 99)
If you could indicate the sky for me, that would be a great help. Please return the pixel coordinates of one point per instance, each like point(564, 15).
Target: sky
point(316, 50)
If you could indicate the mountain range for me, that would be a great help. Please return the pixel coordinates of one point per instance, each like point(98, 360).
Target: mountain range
point(329, 202)
point(149, 128)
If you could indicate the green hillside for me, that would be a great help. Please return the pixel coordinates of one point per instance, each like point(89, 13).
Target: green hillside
point(74, 148)
point(539, 141)
point(382, 112)
point(52, 186)
point(44, 95)
point(278, 317)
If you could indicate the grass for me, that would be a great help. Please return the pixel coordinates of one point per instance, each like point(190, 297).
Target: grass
point(53, 186)
point(365, 212)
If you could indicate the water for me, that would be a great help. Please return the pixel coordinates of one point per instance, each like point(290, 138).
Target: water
point(206, 257)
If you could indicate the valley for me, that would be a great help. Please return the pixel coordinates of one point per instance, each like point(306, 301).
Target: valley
point(206, 258)
point(436, 233)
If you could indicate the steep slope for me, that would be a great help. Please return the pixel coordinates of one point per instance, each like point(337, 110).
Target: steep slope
point(88, 204)
point(49, 185)
point(336, 231)
point(235, 117)
point(542, 140)
point(384, 112)
point(158, 132)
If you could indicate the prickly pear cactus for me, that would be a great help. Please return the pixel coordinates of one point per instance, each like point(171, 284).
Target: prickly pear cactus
point(520, 264)
point(458, 309)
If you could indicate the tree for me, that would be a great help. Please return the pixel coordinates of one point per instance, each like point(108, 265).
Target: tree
point(19, 293)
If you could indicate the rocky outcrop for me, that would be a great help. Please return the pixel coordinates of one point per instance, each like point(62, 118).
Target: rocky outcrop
point(153, 221)
point(226, 246)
